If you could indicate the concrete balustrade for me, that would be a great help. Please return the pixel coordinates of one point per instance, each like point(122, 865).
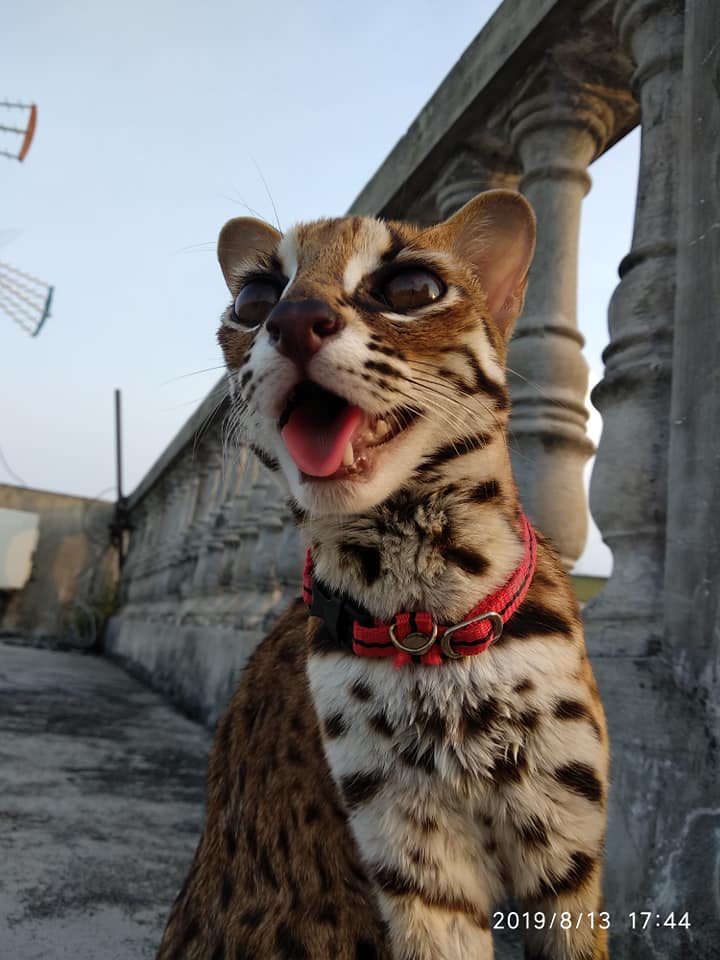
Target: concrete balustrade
point(543, 90)
point(630, 504)
point(557, 133)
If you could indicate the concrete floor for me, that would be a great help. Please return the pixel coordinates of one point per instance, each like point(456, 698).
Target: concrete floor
point(101, 793)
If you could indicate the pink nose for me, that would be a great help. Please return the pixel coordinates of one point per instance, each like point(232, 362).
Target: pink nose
point(299, 328)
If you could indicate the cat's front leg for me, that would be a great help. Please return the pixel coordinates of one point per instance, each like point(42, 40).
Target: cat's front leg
point(554, 862)
point(570, 926)
point(435, 885)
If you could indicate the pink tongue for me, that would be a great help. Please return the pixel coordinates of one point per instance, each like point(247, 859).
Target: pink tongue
point(317, 442)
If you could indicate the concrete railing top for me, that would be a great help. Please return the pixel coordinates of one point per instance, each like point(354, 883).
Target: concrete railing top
point(206, 417)
point(487, 80)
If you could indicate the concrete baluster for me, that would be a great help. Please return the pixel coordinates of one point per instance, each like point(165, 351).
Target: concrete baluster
point(182, 579)
point(557, 133)
point(242, 575)
point(472, 172)
point(248, 468)
point(628, 490)
point(186, 509)
point(211, 556)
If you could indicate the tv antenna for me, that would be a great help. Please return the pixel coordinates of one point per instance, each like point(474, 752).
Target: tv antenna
point(17, 136)
point(24, 298)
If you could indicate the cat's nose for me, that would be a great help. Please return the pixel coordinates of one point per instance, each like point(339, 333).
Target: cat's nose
point(298, 329)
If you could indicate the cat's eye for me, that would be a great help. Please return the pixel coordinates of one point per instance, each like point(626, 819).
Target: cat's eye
point(412, 288)
point(254, 302)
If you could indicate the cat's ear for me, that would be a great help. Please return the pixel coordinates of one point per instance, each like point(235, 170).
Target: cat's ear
point(495, 233)
point(243, 239)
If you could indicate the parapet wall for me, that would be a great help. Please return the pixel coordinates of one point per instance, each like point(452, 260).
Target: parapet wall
point(74, 570)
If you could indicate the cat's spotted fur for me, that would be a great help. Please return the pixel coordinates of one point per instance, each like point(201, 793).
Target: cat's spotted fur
point(461, 783)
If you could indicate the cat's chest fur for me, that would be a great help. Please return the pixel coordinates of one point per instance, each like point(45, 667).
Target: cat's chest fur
point(437, 729)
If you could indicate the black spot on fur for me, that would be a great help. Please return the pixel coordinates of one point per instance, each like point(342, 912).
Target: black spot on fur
point(361, 691)
point(226, 891)
point(358, 788)
point(432, 723)
point(485, 492)
point(326, 881)
point(327, 914)
point(312, 813)
point(482, 383)
point(578, 873)
point(380, 724)
point(298, 514)
point(251, 839)
point(534, 832)
point(392, 882)
point(575, 710)
point(365, 950)
point(284, 843)
point(335, 726)
point(290, 947)
point(421, 756)
point(426, 825)
point(367, 557)
point(386, 350)
point(468, 560)
point(450, 451)
point(529, 719)
point(294, 754)
point(190, 932)
point(265, 459)
point(219, 952)
point(252, 917)
point(581, 779)
point(244, 378)
point(524, 686)
point(230, 842)
point(535, 620)
point(379, 366)
point(507, 769)
point(478, 718)
point(266, 869)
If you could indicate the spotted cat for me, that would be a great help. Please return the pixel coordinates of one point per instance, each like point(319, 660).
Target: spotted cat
point(421, 737)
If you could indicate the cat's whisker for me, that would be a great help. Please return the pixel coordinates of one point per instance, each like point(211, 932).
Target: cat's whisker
point(539, 390)
point(194, 373)
point(202, 429)
point(267, 190)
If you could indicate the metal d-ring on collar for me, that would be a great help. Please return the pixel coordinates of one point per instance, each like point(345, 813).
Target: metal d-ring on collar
point(419, 643)
point(497, 623)
point(414, 643)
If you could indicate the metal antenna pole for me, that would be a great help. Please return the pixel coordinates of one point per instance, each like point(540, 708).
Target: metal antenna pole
point(118, 443)
point(120, 521)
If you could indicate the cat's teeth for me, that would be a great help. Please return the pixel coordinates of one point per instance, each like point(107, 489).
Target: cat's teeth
point(348, 456)
point(382, 427)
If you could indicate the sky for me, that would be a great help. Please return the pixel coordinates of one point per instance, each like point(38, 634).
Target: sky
point(157, 122)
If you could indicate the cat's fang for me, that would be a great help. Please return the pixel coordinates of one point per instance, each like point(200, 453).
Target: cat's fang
point(348, 456)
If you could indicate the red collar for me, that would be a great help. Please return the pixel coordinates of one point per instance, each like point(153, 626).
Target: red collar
point(415, 637)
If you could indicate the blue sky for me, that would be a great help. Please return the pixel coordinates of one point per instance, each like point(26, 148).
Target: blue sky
point(154, 121)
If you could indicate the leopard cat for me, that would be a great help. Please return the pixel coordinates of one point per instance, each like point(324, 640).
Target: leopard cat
point(382, 806)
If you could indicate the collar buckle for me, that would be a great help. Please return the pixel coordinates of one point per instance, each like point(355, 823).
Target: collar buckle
point(414, 643)
point(497, 625)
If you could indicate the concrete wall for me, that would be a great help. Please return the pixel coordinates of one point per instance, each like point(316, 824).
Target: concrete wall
point(73, 571)
point(18, 540)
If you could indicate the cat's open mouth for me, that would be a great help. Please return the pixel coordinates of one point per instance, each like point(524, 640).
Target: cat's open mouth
point(329, 437)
